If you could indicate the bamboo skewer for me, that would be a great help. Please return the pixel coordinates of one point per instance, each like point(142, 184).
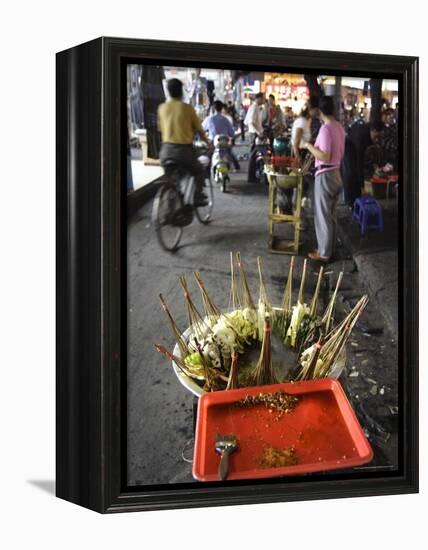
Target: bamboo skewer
point(263, 297)
point(333, 344)
point(234, 300)
point(208, 379)
point(342, 335)
point(302, 283)
point(286, 298)
point(196, 322)
point(212, 312)
point(184, 348)
point(264, 306)
point(232, 383)
point(263, 373)
point(179, 362)
point(283, 317)
point(307, 372)
point(328, 314)
point(314, 303)
point(247, 300)
point(309, 334)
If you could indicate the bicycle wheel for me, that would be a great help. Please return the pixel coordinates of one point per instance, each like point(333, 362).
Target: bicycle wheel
point(203, 213)
point(167, 202)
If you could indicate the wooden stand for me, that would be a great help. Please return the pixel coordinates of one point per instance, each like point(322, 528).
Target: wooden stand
point(279, 245)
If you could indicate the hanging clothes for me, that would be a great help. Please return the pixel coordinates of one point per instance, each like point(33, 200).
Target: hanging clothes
point(153, 95)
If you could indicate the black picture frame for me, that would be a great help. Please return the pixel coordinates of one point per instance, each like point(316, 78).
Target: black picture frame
point(90, 210)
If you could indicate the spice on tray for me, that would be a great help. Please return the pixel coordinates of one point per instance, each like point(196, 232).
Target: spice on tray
point(277, 458)
point(279, 401)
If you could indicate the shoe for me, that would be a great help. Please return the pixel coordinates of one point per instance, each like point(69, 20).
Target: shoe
point(315, 255)
point(200, 199)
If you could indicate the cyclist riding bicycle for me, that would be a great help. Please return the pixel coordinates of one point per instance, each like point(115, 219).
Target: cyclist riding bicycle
point(178, 123)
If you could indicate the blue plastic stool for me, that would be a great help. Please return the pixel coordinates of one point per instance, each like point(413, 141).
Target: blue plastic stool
point(368, 213)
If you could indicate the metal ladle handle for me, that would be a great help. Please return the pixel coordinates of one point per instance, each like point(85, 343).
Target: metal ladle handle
point(223, 467)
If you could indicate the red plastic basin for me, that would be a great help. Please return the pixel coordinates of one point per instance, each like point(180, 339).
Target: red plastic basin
point(322, 428)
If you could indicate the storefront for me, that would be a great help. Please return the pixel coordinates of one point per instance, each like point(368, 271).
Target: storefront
point(290, 90)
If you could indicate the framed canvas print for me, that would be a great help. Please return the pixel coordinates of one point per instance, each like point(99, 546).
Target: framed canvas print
point(237, 278)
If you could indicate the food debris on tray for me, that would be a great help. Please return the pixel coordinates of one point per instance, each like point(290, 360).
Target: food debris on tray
point(279, 401)
point(276, 458)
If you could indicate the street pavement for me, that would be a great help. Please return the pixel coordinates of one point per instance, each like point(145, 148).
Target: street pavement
point(160, 409)
point(375, 254)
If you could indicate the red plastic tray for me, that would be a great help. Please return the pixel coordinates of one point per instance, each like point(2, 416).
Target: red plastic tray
point(322, 428)
point(379, 180)
point(278, 161)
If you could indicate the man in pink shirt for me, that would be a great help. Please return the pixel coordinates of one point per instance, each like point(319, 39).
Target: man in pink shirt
point(328, 151)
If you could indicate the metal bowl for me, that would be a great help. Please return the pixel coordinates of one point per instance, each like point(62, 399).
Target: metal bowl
point(191, 385)
point(283, 181)
point(186, 381)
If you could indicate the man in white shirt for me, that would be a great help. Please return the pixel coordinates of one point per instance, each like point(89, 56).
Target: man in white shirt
point(254, 121)
point(254, 117)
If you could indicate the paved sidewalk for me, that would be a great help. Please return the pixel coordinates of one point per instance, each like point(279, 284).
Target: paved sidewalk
point(376, 257)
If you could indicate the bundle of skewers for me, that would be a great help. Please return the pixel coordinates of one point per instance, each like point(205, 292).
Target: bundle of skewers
point(212, 350)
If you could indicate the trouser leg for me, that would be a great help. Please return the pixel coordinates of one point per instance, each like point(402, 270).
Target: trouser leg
point(212, 171)
point(242, 130)
point(326, 194)
point(233, 158)
point(197, 170)
point(322, 222)
point(252, 159)
point(186, 157)
point(334, 202)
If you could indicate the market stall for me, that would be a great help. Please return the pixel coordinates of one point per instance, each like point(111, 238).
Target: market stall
point(256, 355)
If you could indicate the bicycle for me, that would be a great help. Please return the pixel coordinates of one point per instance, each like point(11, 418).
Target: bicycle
point(173, 206)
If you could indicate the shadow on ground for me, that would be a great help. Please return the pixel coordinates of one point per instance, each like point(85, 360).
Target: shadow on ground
point(46, 485)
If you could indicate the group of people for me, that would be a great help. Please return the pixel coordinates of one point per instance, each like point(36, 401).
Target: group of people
point(178, 123)
point(316, 132)
point(371, 150)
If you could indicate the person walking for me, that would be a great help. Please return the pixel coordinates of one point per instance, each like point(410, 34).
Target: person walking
point(178, 123)
point(301, 131)
point(254, 121)
point(273, 119)
point(305, 129)
point(254, 117)
point(242, 113)
point(231, 111)
point(328, 151)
